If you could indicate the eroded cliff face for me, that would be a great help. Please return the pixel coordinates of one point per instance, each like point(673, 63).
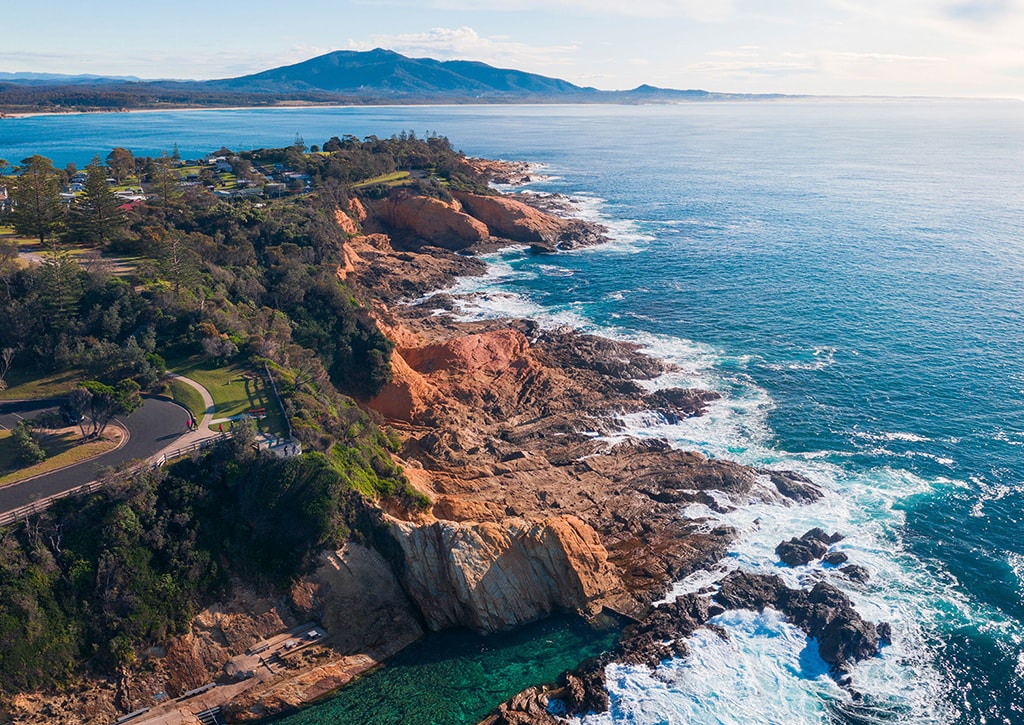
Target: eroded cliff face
point(504, 422)
point(427, 221)
point(354, 594)
point(512, 219)
point(491, 576)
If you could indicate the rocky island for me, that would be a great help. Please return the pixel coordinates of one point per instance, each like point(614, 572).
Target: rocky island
point(518, 505)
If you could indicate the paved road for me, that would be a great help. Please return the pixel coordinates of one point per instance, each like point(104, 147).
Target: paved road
point(152, 428)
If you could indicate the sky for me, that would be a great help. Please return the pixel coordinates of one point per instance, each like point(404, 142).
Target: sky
point(958, 48)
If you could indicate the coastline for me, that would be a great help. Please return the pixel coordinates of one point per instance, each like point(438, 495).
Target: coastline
point(497, 420)
point(425, 331)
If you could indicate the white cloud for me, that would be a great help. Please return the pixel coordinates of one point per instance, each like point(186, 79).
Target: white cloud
point(710, 11)
point(466, 44)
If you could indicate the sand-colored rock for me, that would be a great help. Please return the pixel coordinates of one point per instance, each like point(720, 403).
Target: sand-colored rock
point(294, 692)
point(496, 352)
point(432, 221)
point(347, 223)
point(494, 576)
point(406, 396)
point(512, 219)
point(356, 209)
point(358, 600)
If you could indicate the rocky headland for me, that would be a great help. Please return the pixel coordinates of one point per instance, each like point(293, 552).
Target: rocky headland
point(507, 427)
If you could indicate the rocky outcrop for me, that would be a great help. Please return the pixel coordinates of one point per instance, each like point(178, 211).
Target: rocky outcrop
point(346, 223)
point(510, 173)
point(406, 396)
point(823, 612)
point(491, 352)
point(312, 682)
point(512, 219)
point(356, 597)
point(812, 545)
point(494, 576)
point(423, 220)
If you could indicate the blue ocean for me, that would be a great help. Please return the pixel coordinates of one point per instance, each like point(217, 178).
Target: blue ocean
point(850, 276)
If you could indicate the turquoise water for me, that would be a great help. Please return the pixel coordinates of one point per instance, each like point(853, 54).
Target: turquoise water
point(850, 277)
point(458, 676)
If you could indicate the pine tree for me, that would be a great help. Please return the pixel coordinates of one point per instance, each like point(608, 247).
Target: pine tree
point(61, 287)
point(38, 209)
point(165, 182)
point(94, 218)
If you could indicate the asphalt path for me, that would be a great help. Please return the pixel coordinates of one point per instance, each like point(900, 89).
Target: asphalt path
point(152, 427)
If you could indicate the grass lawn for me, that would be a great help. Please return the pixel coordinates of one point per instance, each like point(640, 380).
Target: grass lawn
point(63, 447)
point(24, 384)
point(119, 265)
point(188, 396)
point(390, 179)
point(235, 388)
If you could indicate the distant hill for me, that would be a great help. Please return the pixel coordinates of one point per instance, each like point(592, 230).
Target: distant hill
point(386, 73)
point(340, 77)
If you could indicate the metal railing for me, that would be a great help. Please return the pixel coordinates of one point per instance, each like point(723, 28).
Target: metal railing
point(185, 450)
point(280, 403)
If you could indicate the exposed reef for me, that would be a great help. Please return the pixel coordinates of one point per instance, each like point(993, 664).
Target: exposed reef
point(823, 613)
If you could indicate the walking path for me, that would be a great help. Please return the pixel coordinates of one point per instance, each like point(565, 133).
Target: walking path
point(210, 428)
point(159, 422)
point(202, 430)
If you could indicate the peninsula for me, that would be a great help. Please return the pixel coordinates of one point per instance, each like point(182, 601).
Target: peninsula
point(451, 474)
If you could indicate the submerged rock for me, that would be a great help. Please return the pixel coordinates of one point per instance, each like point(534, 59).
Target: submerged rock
point(823, 612)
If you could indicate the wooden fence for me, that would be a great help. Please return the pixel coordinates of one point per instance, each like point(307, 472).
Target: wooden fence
point(23, 512)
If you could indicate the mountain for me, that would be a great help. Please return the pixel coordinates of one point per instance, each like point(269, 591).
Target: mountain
point(382, 72)
point(50, 79)
point(342, 77)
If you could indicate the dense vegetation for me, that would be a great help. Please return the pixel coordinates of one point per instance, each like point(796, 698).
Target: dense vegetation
point(222, 277)
point(96, 580)
point(92, 581)
point(24, 98)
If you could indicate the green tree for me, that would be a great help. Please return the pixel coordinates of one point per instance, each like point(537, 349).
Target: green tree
point(61, 287)
point(28, 450)
point(74, 407)
point(6, 358)
point(38, 208)
point(165, 182)
point(177, 259)
point(107, 401)
point(8, 264)
point(121, 163)
point(94, 218)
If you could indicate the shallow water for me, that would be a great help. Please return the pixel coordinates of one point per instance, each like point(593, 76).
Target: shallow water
point(459, 677)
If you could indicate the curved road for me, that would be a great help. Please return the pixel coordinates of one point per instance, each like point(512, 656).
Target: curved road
point(152, 428)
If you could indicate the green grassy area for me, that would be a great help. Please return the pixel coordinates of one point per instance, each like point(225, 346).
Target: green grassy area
point(25, 384)
point(235, 388)
point(392, 179)
point(63, 448)
point(188, 396)
point(119, 265)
